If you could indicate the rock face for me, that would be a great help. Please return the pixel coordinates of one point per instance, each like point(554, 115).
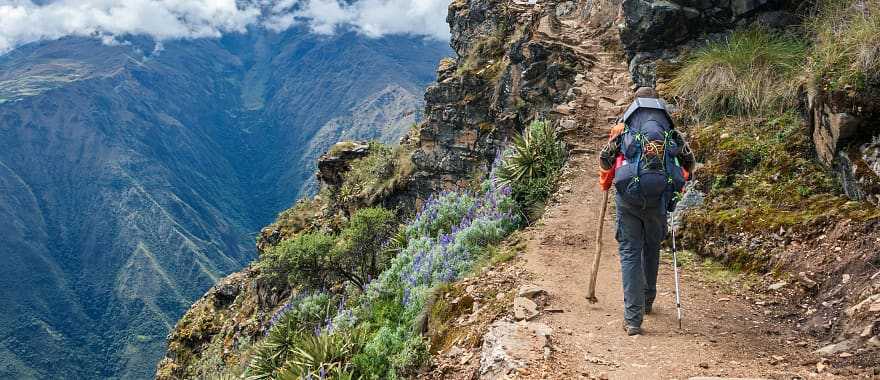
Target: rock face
point(205, 330)
point(662, 24)
point(844, 131)
point(501, 80)
point(655, 29)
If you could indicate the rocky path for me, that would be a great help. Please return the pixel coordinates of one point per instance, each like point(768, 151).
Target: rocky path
point(725, 333)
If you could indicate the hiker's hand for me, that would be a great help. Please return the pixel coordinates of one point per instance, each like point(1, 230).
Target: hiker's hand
point(616, 131)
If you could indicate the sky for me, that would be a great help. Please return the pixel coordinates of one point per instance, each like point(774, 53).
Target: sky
point(25, 21)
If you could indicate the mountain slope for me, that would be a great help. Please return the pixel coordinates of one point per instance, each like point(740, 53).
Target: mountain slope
point(133, 177)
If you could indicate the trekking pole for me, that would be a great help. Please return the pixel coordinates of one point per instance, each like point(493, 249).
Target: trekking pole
point(591, 291)
point(675, 269)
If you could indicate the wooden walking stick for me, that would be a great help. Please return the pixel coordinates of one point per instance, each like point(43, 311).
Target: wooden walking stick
point(591, 291)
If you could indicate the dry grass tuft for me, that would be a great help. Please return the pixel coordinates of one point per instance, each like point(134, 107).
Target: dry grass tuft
point(750, 73)
point(847, 43)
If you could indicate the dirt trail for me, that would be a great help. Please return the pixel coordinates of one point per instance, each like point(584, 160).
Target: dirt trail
point(724, 334)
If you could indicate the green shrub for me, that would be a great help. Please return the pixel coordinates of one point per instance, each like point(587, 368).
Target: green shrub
point(359, 255)
point(298, 261)
point(847, 43)
point(319, 261)
point(531, 167)
point(381, 337)
point(750, 73)
point(442, 253)
point(391, 335)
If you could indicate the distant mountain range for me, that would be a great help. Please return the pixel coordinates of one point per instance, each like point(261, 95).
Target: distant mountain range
point(133, 176)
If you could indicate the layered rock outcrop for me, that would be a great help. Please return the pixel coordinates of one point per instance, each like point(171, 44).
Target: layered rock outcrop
point(658, 29)
point(333, 164)
point(845, 126)
point(501, 79)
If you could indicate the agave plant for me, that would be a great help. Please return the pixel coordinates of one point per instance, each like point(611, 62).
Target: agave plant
point(531, 165)
point(322, 356)
point(536, 153)
point(395, 244)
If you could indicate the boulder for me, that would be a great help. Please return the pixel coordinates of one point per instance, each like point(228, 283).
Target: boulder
point(839, 347)
point(831, 129)
point(524, 308)
point(691, 200)
point(658, 24)
point(225, 293)
point(662, 24)
point(530, 291)
point(509, 346)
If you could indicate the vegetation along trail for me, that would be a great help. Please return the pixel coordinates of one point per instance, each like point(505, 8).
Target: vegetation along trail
point(724, 332)
point(345, 287)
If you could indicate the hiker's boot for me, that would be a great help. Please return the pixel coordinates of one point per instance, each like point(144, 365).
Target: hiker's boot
point(632, 330)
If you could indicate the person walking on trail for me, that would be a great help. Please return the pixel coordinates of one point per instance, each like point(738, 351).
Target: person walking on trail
point(648, 162)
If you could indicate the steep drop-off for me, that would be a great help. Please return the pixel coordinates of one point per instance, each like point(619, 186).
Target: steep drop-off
point(562, 61)
point(500, 80)
point(133, 177)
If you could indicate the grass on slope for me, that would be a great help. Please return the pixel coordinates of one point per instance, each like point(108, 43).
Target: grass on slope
point(847, 44)
point(761, 175)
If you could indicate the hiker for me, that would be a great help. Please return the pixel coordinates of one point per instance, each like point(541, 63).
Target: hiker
point(648, 162)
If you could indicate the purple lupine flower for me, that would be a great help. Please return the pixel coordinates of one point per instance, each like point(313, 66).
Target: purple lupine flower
point(341, 306)
point(329, 328)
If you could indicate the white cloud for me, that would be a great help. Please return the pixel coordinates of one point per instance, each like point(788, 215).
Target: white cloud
point(325, 15)
point(379, 17)
point(24, 21)
point(426, 17)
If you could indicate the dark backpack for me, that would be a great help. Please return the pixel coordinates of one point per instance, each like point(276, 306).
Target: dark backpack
point(651, 175)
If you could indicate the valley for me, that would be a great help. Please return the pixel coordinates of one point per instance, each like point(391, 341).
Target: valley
point(135, 176)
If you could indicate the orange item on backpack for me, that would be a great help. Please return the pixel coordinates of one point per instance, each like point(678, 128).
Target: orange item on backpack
point(606, 177)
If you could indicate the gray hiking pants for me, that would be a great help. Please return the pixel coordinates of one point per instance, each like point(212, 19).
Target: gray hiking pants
point(639, 234)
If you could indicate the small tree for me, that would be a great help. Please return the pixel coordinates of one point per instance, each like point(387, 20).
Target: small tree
point(298, 261)
point(359, 255)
